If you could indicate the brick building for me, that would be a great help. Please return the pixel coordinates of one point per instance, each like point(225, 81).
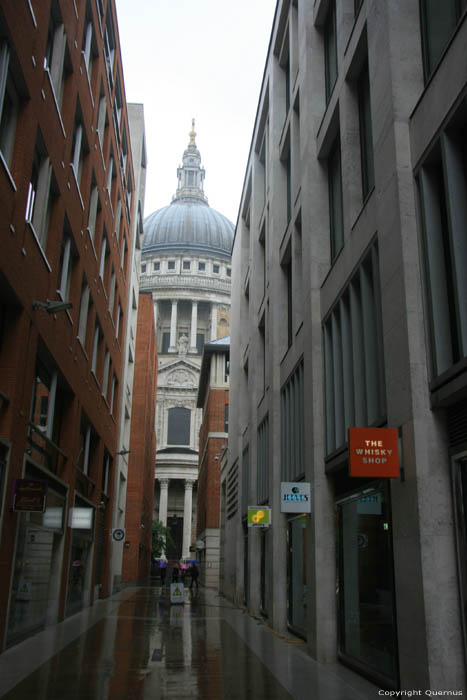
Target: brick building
point(213, 398)
point(140, 487)
point(67, 202)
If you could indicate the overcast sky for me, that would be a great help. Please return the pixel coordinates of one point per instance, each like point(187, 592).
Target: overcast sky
point(201, 59)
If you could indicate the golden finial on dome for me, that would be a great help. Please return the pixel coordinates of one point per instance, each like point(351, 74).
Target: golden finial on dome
point(192, 134)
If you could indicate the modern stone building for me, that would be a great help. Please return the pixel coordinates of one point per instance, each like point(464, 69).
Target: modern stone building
point(349, 310)
point(67, 192)
point(186, 264)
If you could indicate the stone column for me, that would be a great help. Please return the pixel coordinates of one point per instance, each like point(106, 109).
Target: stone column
point(173, 327)
point(187, 513)
point(213, 321)
point(194, 325)
point(155, 308)
point(164, 486)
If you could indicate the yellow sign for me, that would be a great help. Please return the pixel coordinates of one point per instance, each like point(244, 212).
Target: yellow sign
point(259, 516)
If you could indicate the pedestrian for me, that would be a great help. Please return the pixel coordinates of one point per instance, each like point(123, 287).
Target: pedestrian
point(163, 572)
point(194, 575)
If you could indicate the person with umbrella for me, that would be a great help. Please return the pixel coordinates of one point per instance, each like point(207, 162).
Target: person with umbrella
point(162, 566)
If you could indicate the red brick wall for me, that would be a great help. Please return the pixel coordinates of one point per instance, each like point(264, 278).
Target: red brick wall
point(140, 486)
point(28, 273)
point(208, 508)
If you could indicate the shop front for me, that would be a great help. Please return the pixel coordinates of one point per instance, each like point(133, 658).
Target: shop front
point(365, 583)
point(81, 520)
point(459, 482)
point(34, 595)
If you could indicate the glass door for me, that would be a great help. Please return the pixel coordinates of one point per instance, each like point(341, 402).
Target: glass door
point(297, 588)
point(367, 621)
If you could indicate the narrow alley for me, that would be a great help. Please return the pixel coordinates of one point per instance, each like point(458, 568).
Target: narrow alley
point(136, 645)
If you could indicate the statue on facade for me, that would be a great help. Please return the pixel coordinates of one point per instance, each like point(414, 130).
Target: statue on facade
point(183, 345)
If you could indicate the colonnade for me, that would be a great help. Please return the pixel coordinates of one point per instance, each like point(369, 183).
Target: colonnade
point(194, 324)
point(187, 510)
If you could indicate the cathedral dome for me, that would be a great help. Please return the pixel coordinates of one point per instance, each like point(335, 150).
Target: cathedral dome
point(189, 224)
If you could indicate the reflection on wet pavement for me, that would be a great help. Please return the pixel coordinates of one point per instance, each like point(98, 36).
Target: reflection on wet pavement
point(147, 648)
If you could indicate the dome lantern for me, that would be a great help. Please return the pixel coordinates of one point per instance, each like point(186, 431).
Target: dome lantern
point(188, 223)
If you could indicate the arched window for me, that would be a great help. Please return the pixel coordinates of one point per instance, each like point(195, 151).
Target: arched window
point(179, 426)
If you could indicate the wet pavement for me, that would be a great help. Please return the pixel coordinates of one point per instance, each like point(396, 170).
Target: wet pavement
point(136, 645)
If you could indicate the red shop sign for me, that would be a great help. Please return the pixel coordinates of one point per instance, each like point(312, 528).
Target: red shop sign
point(374, 452)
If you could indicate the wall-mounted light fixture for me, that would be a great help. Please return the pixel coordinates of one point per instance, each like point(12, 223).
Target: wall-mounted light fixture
point(122, 453)
point(52, 307)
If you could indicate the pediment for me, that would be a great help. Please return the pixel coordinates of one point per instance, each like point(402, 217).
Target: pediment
point(179, 373)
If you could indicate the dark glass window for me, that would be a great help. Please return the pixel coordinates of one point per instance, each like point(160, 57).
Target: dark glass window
point(179, 426)
point(215, 269)
point(335, 200)
point(439, 20)
point(330, 50)
point(201, 266)
point(199, 342)
point(171, 265)
point(165, 342)
point(366, 133)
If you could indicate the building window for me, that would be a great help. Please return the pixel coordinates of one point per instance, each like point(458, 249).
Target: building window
point(102, 119)
point(165, 343)
point(83, 312)
point(105, 376)
point(94, 207)
point(113, 395)
point(336, 220)
point(95, 348)
point(9, 106)
point(443, 192)
point(79, 149)
point(226, 418)
point(41, 191)
point(245, 480)
point(215, 269)
point(143, 268)
point(186, 265)
point(287, 270)
point(178, 430)
point(366, 133)
point(286, 160)
point(262, 486)
point(105, 253)
point(156, 266)
point(353, 356)
point(199, 343)
point(171, 265)
point(439, 21)
point(292, 427)
point(330, 50)
point(54, 58)
point(67, 259)
point(229, 272)
point(202, 266)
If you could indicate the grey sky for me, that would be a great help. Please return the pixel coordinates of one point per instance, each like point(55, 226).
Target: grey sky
point(204, 59)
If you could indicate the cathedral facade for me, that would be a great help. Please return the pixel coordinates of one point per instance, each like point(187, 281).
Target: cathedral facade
point(186, 265)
